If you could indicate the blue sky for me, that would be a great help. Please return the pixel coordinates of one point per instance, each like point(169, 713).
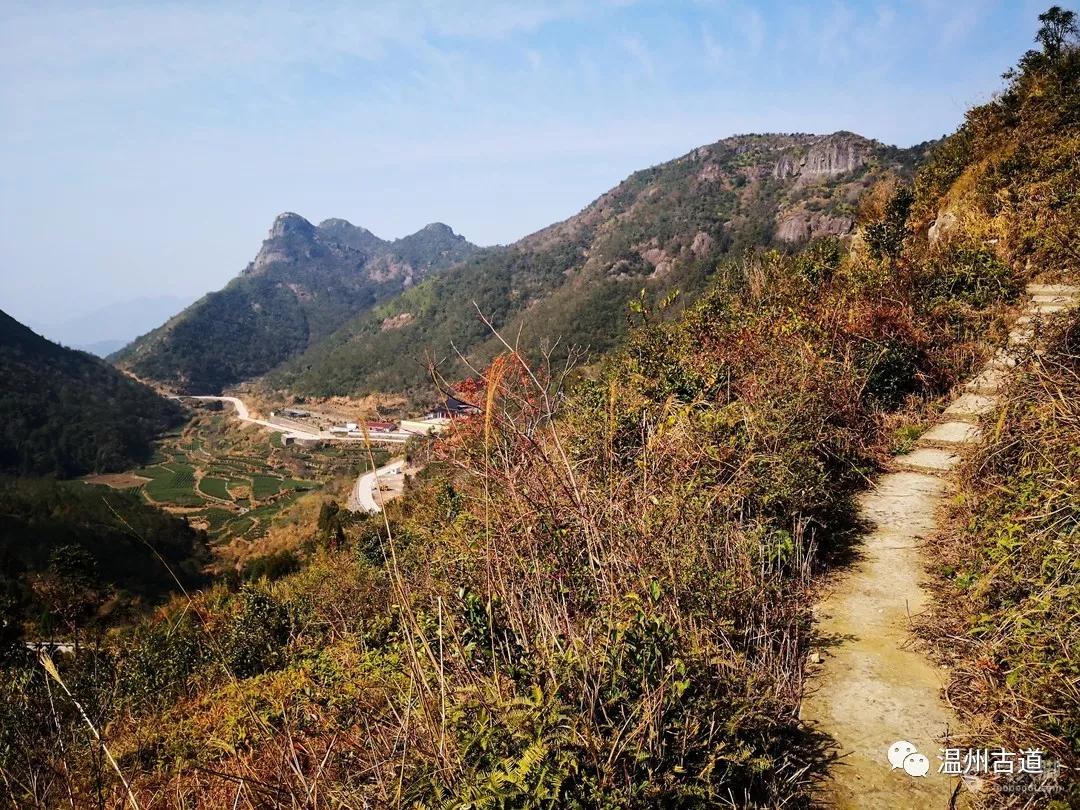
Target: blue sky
point(147, 147)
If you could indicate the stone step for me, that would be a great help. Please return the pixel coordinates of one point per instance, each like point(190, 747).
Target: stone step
point(987, 381)
point(969, 407)
point(1021, 336)
point(1053, 289)
point(869, 683)
point(904, 502)
point(1002, 359)
point(1050, 309)
point(1053, 299)
point(950, 434)
point(932, 460)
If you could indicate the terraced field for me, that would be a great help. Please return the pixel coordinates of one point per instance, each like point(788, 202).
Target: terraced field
point(215, 488)
point(234, 482)
point(171, 483)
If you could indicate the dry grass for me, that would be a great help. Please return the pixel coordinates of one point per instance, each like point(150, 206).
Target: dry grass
point(1008, 585)
point(599, 592)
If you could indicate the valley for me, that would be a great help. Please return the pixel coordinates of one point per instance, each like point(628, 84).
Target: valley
point(238, 479)
point(754, 483)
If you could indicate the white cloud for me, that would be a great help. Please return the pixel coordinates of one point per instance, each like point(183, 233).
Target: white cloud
point(640, 53)
point(751, 27)
point(57, 52)
point(715, 55)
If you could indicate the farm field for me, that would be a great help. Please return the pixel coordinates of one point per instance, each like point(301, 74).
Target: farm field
point(233, 482)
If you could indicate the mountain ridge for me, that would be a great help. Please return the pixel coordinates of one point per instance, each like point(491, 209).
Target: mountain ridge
point(332, 309)
point(65, 412)
point(663, 228)
point(304, 282)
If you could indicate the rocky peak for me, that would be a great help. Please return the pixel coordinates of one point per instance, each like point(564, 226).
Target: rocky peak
point(343, 232)
point(335, 223)
point(294, 239)
point(439, 229)
point(432, 244)
point(432, 234)
point(291, 237)
point(288, 224)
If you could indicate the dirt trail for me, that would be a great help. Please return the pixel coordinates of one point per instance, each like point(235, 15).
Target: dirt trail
point(872, 688)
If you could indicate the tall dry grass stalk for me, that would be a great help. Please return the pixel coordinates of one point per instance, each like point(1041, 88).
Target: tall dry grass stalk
point(50, 669)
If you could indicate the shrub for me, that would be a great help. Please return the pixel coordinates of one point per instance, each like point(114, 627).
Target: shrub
point(1008, 569)
point(258, 633)
point(271, 566)
point(969, 275)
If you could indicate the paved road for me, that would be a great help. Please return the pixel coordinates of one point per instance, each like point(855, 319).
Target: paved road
point(242, 413)
point(362, 497)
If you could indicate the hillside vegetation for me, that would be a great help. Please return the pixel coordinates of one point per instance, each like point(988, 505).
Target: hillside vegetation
point(598, 598)
point(598, 593)
point(1009, 567)
point(661, 229)
point(1008, 557)
point(593, 598)
point(67, 413)
point(69, 550)
point(305, 282)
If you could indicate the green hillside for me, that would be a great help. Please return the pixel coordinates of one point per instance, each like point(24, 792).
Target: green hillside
point(67, 413)
point(90, 540)
point(662, 228)
point(305, 282)
point(600, 591)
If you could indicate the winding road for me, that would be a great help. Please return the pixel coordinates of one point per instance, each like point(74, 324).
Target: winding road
point(362, 496)
point(244, 415)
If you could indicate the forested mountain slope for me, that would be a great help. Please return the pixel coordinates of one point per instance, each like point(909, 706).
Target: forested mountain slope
point(64, 412)
point(66, 546)
point(305, 282)
point(600, 590)
point(662, 228)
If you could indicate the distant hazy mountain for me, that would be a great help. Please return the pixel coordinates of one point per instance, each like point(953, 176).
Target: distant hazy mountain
point(305, 282)
point(65, 413)
point(661, 229)
point(104, 330)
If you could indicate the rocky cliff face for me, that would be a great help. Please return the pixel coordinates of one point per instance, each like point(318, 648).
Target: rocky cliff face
point(801, 226)
point(291, 239)
point(830, 156)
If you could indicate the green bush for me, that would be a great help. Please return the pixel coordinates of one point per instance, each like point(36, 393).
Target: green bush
point(271, 566)
point(889, 367)
point(969, 275)
point(258, 633)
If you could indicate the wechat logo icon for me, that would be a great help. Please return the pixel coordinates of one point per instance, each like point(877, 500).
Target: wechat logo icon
point(903, 754)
